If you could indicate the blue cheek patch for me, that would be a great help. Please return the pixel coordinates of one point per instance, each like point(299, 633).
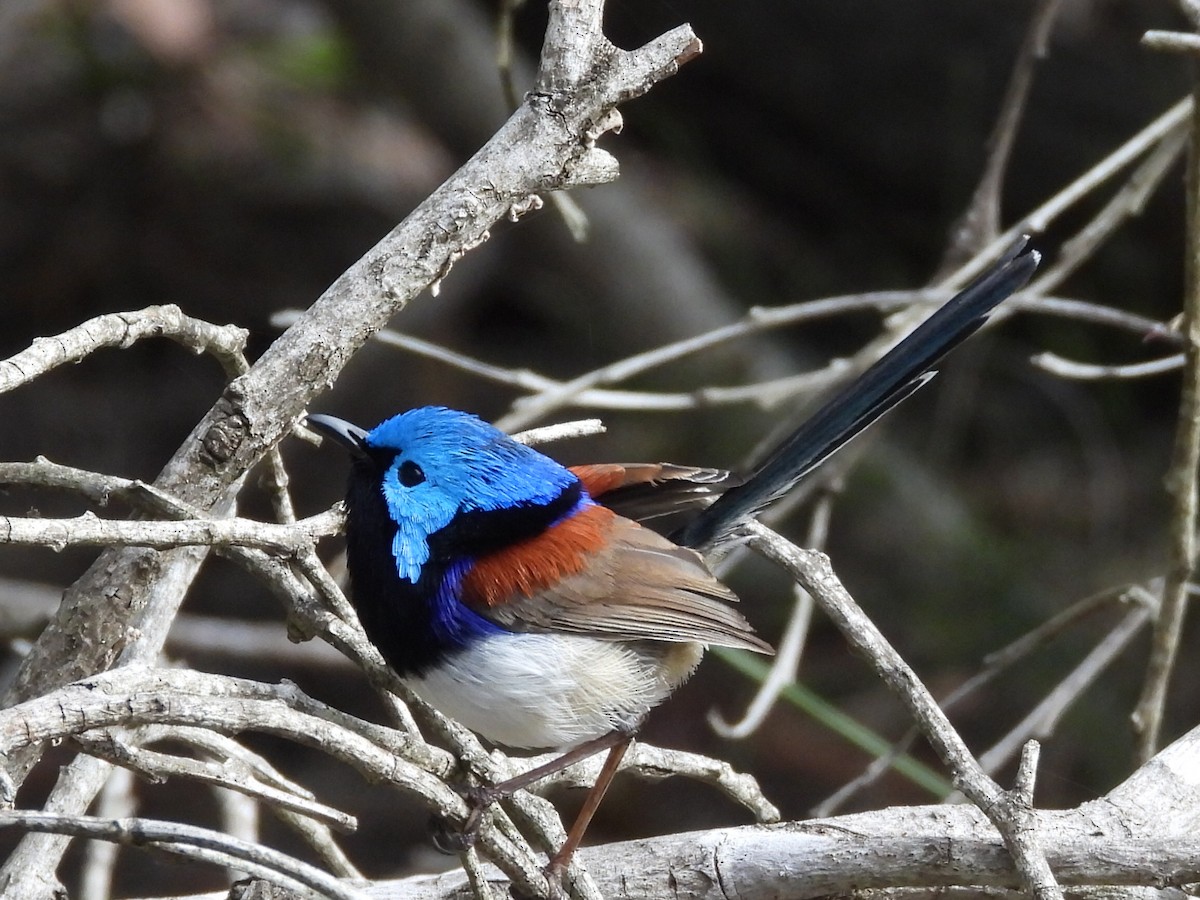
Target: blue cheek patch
point(411, 552)
point(418, 513)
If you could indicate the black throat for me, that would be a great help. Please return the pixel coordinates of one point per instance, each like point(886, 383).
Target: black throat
point(414, 626)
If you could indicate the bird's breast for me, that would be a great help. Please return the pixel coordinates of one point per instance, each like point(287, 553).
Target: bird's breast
point(541, 691)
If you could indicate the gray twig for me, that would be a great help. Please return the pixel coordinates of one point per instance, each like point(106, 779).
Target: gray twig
point(225, 342)
point(981, 222)
point(1181, 482)
point(89, 529)
point(189, 841)
point(1013, 817)
point(785, 667)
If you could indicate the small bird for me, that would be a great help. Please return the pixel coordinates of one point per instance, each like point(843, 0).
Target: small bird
point(525, 599)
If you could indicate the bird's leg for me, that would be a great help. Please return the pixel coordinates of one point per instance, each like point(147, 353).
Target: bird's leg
point(480, 798)
point(590, 804)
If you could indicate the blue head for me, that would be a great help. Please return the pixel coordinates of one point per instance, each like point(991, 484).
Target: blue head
point(436, 466)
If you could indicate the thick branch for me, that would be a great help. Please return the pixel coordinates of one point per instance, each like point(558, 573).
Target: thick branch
point(924, 846)
point(547, 144)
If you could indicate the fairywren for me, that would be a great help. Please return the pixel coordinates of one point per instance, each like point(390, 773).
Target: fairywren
point(511, 593)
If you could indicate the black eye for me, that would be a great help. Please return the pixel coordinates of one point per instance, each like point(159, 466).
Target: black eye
point(410, 473)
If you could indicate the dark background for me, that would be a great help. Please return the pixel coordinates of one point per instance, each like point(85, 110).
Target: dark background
point(234, 157)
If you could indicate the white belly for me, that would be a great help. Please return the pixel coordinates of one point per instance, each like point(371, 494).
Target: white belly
point(541, 691)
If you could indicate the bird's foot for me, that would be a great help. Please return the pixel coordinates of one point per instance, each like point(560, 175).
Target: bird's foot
point(556, 885)
point(555, 873)
point(451, 839)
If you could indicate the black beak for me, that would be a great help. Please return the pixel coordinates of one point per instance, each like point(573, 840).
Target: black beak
point(349, 436)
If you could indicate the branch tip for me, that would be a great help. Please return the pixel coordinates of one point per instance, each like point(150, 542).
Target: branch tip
point(693, 49)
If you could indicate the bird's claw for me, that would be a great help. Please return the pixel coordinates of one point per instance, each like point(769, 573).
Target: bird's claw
point(447, 838)
point(556, 888)
point(452, 840)
point(554, 873)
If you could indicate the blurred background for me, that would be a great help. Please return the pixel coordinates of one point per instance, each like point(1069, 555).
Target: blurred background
point(235, 156)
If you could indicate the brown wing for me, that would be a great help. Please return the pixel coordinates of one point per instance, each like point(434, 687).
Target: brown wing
point(605, 576)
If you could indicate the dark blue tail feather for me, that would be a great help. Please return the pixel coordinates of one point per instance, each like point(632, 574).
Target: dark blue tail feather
point(897, 375)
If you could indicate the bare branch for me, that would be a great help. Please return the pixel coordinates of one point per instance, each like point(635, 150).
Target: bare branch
point(134, 695)
point(586, 391)
point(995, 664)
point(184, 840)
point(1011, 815)
point(225, 342)
point(316, 833)
point(981, 222)
point(1172, 41)
point(1067, 368)
point(1181, 481)
point(1043, 718)
point(1124, 204)
point(43, 473)
point(228, 773)
point(561, 432)
point(89, 529)
point(656, 763)
point(785, 666)
point(1172, 121)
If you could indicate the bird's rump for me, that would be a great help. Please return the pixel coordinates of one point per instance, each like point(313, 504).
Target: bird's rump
point(645, 491)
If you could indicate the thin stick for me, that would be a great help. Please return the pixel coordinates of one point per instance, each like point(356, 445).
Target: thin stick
point(786, 665)
point(89, 529)
point(1181, 482)
point(1040, 219)
point(1043, 718)
point(756, 320)
point(1125, 203)
point(225, 342)
point(994, 664)
point(1079, 371)
point(981, 222)
point(183, 839)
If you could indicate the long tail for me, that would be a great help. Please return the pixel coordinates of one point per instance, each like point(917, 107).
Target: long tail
point(897, 375)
